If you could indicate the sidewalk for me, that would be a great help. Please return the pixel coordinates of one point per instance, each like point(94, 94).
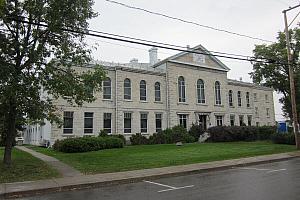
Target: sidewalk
point(10, 190)
point(62, 168)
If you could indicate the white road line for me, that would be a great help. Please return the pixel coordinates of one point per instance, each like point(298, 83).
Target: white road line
point(277, 170)
point(250, 168)
point(189, 186)
point(168, 186)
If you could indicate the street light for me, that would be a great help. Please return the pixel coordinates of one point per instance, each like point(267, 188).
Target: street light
point(291, 77)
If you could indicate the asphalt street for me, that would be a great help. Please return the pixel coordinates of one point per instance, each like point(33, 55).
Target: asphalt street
point(274, 181)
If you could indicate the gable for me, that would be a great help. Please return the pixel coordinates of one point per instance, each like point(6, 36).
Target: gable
point(199, 60)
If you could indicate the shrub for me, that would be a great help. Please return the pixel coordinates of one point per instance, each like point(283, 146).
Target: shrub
point(240, 133)
point(284, 138)
point(138, 139)
point(85, 144)
point(195, 131)
point(122, 137)
point(103, 133)
point(158, 138)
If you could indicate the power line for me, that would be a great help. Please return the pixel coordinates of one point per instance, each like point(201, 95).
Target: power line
point(294, 19)
point(266, 61)
point(187, 21)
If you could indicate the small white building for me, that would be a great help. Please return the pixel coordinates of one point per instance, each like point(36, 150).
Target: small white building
point(186, 89)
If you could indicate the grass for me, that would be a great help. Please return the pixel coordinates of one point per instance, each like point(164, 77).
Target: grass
point(152, 156)
point(25, 168)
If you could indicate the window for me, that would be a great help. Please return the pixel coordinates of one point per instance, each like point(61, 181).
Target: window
point(127, 89)
point(232, 120)
point(144, 122)
point(255, 96)
point(107, 88)
point(88, 122)
point(219, 120)
point(249, 120)
point(248, 99)
point(143, 90)
point(181, 89)
point(218, 93)
point(107, 122)
point(268, 112)
point(256, 112)
point(182, 120)
point(157, 91)
point(241, 119)
point(239, 96)
point(230, 98)
point(158, 122)
point(68, 122)
point(127, 122)
point(266, 97)
point(200, 91)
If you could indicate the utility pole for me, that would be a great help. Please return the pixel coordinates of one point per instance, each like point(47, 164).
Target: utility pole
point(291, 77)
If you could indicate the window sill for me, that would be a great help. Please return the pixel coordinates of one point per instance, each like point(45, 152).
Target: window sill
point(141, 101)
point(182, 103)
point(219, 105)
point(107, 100)
point(68, 134)
point(128, 100)
point(88, 134)
point(160, 102)
point(231, 107)
point(145, 133)
point(201, 104)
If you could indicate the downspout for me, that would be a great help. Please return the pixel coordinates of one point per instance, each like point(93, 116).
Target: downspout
point(116, 101)
point(167, 97)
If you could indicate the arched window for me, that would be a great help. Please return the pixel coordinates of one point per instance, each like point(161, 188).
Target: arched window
point(239, 96)
point(200, 91)
point(157, 91)
point(143, 90)
point(230, 98)
point(107, 88)
point(181, 89)
point(127, 89)
point(218, 93)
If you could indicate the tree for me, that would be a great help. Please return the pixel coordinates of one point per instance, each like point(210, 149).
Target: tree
point(277, 75)
point(37, 57)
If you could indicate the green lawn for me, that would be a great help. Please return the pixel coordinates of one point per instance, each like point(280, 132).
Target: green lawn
point(152, 156)
point(25, 168)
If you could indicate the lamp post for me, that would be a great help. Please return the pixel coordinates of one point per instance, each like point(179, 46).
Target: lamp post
point(291, 78)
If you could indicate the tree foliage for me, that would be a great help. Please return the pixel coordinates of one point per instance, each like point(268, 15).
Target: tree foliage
point(37, 58)
point(277, 75)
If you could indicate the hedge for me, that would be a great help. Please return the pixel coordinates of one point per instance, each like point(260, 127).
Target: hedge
point(168, 136)
point(240, 133)
point(284, 138)
point(85, 144)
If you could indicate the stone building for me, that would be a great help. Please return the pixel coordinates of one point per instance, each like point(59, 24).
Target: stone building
point(187, 88)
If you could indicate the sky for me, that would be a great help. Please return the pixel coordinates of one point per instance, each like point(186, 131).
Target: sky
point(257, 18)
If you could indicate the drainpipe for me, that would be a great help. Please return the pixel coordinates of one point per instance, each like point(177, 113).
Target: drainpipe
point(116, 102)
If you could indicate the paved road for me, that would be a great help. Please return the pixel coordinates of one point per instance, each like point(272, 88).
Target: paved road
point(280, 180)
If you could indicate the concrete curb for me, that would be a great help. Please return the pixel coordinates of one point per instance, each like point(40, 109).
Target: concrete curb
point(31, 188)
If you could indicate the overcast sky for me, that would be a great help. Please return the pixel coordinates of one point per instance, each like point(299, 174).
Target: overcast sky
point(258, 18)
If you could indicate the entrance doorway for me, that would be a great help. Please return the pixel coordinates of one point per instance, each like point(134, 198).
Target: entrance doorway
point(202, 121)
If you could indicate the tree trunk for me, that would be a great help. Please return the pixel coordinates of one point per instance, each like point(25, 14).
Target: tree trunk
point(11, 123)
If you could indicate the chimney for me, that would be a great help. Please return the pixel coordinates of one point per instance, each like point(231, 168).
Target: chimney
point(153, 55)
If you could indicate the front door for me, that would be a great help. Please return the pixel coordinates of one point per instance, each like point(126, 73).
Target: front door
point(202, 121)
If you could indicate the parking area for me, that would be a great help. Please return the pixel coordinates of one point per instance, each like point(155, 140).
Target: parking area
point(279, 180)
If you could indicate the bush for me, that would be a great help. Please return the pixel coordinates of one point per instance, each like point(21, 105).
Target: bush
point(158, 138)
point(284, 138)
point(138, 139)
point(122, 137)
point(103, 133)
point(240, 133)
point(85, 144)
point(195, 131)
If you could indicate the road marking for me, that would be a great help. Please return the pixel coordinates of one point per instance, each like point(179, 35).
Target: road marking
point(277, 170)
point(160, 184)
point(189, 186)
point(260, 169)
point(171, 188)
